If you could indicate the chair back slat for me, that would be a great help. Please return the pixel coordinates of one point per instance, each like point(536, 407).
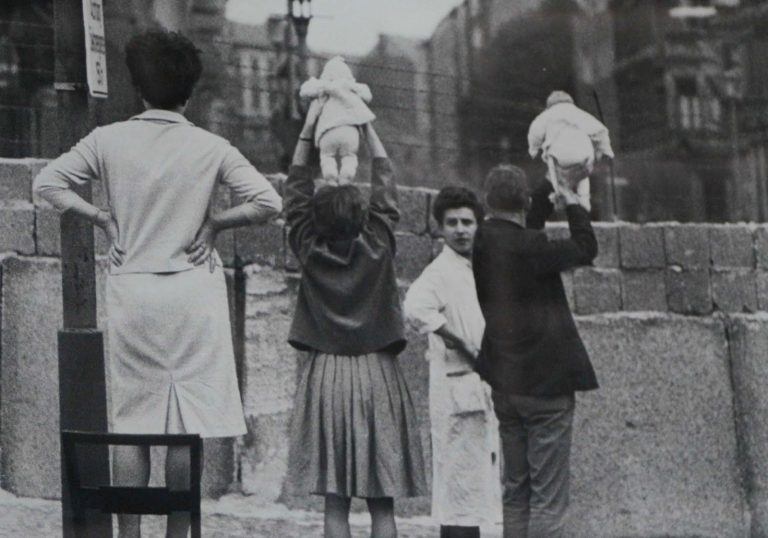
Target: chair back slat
point(131, 500)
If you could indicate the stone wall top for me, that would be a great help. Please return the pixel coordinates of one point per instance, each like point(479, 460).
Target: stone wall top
point(693, 269)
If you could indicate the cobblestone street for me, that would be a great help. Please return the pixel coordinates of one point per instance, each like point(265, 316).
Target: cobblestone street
point(232, 516)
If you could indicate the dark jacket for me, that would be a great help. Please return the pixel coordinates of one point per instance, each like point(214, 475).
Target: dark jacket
point(348, 302)
point(531, 345)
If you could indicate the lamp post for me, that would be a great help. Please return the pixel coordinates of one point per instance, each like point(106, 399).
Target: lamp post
point(300, 13)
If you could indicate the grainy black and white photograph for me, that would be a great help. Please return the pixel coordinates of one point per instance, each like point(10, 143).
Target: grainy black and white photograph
point(384, 268)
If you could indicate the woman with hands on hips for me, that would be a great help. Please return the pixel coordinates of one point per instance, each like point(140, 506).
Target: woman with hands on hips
point(170, 347)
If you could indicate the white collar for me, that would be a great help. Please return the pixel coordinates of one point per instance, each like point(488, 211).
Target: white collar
point(454, 257)
point(162, 115)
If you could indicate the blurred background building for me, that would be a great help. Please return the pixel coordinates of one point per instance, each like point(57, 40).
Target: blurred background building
point(682, 84)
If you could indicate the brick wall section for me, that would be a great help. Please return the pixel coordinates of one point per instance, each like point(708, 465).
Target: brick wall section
point(692, 269)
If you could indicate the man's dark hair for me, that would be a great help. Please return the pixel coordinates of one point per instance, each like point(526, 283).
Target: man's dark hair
point(339, 212)
point(454, 197)
point(506, 189)
point(164, 66)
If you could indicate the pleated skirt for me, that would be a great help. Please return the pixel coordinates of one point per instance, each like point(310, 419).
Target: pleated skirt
point(170, 354)
point(353, 430)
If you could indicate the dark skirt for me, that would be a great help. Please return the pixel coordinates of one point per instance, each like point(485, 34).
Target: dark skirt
point(354, 431)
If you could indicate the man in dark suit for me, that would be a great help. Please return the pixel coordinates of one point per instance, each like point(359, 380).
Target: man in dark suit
point(531, 355)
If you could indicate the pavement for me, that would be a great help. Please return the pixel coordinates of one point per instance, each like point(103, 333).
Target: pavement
point(231, 516)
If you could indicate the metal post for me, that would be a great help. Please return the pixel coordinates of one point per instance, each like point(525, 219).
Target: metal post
point(736, 166)
point(302, 27)
point(611, 169)
point(288, 40)
point(82, 384)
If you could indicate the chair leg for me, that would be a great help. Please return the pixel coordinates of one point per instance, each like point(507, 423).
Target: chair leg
point(196, 524)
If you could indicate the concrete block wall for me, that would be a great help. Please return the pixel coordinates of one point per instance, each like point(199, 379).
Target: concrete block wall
point(674, 317)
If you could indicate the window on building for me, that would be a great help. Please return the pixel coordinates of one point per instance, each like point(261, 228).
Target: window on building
point(688, 103)
point(263, 86)
point(730, 56)
point(477, 37)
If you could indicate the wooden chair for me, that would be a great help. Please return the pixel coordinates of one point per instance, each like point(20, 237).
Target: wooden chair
point(126, 499)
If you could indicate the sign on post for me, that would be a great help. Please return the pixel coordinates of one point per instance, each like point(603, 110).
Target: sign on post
point(95, 47)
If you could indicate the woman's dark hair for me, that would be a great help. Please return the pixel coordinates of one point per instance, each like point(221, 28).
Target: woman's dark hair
point(164, 66)
point(453, 197)
point(339, 212)
point(506, 189)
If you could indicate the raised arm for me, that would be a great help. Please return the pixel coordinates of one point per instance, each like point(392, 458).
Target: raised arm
point(383, 186)
point(556, 256)
point(541, 206)
point(300, 186)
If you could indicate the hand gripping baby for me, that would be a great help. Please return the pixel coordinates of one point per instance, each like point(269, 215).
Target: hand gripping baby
point(570, 141)
point(343, 110)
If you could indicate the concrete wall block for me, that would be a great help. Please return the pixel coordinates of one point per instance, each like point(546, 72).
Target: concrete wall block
point(734, 290)
point(657, 433)
point(47, 232)
point(260, 244)
point(607, 235)
point(414, 205)
point(270, 362)
point(29, 397)
point(414, 252)
point(641, 247)
point(761, 246)
point(17, 227)
point(270, 382)
point(607, 245)
point(761, 289)
point(597, 290)
point(687, 245)
point(748, 339)
point(644, 290)
point(264, 455)
point(731, 246)
point(688, 291)
point(16, 177)
point(29, 410)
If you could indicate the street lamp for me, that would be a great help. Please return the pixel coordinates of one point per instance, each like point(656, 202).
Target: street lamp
point(300, 13)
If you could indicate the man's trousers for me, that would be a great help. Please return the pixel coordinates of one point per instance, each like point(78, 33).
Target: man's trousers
point(536, 443)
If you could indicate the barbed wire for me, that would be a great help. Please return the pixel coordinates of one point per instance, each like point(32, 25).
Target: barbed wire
point(314, 56)
point(13, 22)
